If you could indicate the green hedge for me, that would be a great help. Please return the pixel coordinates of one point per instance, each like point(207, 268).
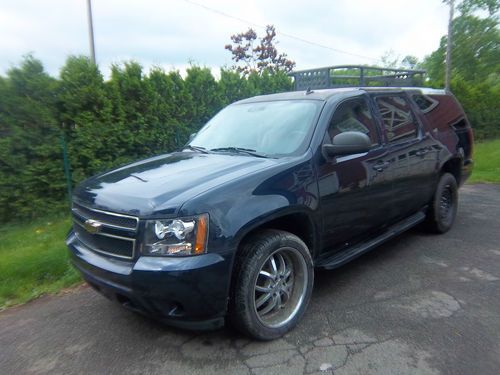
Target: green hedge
point(106, 123)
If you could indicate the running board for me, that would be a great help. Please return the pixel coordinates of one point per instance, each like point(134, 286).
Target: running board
point(341, 258)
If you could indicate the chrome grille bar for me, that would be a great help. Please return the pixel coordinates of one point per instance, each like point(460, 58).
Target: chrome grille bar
point(110, 219)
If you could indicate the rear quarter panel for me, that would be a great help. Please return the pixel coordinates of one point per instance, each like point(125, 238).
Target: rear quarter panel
point(447, 123)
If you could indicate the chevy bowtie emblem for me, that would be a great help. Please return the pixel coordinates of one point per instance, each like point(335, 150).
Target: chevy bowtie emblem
point(92, 226)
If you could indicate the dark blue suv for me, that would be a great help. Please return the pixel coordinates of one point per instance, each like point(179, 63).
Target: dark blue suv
point(233, 225)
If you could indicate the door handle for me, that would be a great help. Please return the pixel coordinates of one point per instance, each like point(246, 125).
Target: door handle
point(421, 152)
point(379, 167)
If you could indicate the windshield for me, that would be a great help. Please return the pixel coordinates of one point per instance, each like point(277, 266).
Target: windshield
point(269, 128)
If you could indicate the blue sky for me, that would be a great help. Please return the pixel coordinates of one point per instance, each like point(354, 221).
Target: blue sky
point(172, 33)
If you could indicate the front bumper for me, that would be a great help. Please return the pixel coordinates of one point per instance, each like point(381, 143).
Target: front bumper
point(188, 292)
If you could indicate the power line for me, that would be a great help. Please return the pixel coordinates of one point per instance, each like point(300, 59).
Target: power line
point(221, 13)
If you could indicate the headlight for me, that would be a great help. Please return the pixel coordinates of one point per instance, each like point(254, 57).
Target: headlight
point(183, 236)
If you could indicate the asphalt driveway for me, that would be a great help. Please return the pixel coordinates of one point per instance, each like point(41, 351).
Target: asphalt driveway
point(419, 304)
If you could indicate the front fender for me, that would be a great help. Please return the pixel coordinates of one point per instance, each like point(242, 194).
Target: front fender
point(239, 206)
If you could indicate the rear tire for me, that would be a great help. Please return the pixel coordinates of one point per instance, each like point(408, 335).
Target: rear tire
point(272, 284)
point(443, 209)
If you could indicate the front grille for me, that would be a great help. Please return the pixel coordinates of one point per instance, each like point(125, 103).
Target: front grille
point(107, 218)
point(116, 236)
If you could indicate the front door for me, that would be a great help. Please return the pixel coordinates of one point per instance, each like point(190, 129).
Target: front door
point(355, 190)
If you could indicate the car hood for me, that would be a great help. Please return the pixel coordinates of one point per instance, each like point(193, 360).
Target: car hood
point(160, 185)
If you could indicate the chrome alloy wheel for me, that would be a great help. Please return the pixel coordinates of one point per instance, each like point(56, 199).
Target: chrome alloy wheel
point(280, 287)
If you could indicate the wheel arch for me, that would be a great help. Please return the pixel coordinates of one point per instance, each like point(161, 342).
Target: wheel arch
point(298, 222)
point(453, 166)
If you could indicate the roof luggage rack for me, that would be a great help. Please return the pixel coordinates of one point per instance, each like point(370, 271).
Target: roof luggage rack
point(356, 76)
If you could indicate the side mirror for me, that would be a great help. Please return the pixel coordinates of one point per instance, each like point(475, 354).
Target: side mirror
point(348, 143)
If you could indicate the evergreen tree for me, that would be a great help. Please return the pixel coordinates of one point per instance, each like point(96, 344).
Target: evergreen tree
point(31, 171)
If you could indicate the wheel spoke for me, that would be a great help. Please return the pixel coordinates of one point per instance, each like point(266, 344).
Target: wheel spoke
point(282, 264)
point(263, 289)
point(273, 266)
point(266, 274)
point(287, 273)
point(288, 284)
point(270, 306)
point(279, 303)
point(262, 299)
point(286, 291)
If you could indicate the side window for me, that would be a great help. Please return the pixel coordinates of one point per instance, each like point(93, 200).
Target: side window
point(353, 115)
point(397, 118)
point(425, 103)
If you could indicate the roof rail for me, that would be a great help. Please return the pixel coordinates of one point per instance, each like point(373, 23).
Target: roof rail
point(356, 76)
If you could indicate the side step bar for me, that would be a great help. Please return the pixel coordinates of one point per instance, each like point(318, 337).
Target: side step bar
point(341, 258)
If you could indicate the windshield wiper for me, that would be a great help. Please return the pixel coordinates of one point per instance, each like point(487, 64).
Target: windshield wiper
point(240, 150)
point(203, 150)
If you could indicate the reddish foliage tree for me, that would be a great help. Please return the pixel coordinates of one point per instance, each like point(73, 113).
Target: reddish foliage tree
point(264, 56)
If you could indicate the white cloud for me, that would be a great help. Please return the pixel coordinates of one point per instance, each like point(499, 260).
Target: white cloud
point(172, 33)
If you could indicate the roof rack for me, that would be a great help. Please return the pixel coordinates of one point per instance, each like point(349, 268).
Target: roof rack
point(356, 76)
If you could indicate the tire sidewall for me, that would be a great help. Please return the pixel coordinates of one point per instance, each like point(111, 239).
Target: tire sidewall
point(445, 180)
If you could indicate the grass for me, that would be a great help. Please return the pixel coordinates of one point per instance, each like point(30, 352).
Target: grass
point(486, 162)
point(34, 260)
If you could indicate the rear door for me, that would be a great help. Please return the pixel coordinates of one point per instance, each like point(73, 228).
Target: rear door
point(411, 165)
point(355, 190)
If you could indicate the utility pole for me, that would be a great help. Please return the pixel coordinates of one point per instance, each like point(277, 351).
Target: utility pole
point(448, 46)
point(91, 31)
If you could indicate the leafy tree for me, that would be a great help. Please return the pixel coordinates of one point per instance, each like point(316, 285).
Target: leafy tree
point(475, 64)
point(141, 131)
point(481, 103)
point(409, 62)
point(470, 6)
point(258, 58)
point(475, 50)
point(267, 83)
point(132, 92)
point(390, 60)
point(31, 174)
point(82, 95)
point(86, 114)
point(233, 87)
point(205, 94)
point(169, 128)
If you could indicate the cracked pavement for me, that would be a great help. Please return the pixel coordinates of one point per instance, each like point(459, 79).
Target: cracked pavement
point(420, 304)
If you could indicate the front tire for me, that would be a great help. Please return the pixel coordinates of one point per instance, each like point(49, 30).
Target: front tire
point(443, 210)
point(272, 284)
